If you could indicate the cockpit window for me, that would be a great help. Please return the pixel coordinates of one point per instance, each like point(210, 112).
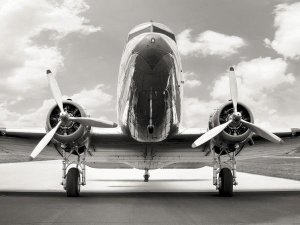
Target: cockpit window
point(151, 27)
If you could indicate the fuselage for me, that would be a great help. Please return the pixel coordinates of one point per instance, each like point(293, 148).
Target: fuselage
point(150, 84)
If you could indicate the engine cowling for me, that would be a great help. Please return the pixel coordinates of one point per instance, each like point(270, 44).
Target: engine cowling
point(70, 133)
point(235, 132)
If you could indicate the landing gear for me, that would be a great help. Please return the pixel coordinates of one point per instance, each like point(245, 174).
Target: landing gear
point(146, 176)
point(75, 177)
point(224, 172)
point(225, 182)
point(73, 182)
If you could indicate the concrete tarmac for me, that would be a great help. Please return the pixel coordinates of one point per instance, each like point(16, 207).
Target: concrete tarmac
point(30, 194)
point(149, 208)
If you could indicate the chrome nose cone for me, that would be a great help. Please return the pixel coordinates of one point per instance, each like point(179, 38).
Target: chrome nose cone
point(152, 48)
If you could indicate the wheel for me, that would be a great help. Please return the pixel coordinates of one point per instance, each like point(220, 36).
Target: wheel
point(146, 178)
point(226, 182)
point(73, 182)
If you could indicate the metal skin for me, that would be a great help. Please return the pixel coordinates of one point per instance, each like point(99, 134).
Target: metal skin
point(225, 139)
point(79, 134)
point(149, 87)
point(150, 92)
point(149, 113)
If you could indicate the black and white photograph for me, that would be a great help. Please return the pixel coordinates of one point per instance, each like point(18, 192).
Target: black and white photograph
point(139, 112)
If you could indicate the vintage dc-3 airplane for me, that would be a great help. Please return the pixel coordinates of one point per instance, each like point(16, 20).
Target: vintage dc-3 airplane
point(148, 134)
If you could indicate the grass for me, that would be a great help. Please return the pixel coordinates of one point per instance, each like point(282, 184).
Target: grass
point(284, 167)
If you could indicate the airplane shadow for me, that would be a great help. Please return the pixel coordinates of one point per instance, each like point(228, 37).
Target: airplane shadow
point(87, 194)
point(152, 180)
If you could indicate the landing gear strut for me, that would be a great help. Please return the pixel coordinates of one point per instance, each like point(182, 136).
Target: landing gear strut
point(224, 173)
point(146, 175)
point(76, 176)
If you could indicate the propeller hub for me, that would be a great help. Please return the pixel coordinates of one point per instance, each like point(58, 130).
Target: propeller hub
point(237, 117)
point(64, 117)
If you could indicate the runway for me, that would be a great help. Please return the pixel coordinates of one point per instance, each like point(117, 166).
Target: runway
point(30, 194)
point(150, 208)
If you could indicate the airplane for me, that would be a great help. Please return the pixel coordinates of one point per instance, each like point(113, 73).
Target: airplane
point(148, 134)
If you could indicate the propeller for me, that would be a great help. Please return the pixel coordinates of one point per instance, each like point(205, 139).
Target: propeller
point(236, 117)
point(87, 121)
point(55, 90)
point(64, 117)
point(210, 134)
point(233, 88)
point(263, 133)
point(42, 144)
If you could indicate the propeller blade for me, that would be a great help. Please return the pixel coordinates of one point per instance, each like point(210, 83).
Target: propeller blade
point(233, 88)
point(263, 133)
point(210, 134)
point(55, 90)
point(42, 144)
point(87, 121)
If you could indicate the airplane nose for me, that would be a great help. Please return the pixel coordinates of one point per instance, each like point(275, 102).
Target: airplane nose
point(152, 48)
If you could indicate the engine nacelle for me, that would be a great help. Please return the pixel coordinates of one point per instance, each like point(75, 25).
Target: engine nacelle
point(233, 133)
point(71, 133)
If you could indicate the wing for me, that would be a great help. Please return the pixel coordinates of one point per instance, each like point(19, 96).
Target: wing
point(17, 144)
point(111, 146)
point(114, 138)
point(263, 148)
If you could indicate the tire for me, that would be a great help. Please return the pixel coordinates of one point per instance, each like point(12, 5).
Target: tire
point(146, 178)
point(73, 182)
point(226, 183)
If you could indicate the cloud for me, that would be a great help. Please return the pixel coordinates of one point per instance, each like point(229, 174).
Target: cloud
point(7, 116)
point(260, 82)
point(22, 61)
point(190, 80)
point(32, 72)
point(196, 112)
point(287, 35)
point(255, 79)
point(208, 43)
point(94, 101)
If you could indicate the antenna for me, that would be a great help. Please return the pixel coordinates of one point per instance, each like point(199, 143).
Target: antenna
point(151, 28)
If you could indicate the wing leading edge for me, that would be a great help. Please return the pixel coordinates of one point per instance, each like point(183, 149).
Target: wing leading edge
point(110, 144)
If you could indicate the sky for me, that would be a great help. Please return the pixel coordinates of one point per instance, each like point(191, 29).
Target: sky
point(82, 42)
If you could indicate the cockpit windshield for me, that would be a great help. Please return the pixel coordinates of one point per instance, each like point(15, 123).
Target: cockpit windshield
point(151, 27)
